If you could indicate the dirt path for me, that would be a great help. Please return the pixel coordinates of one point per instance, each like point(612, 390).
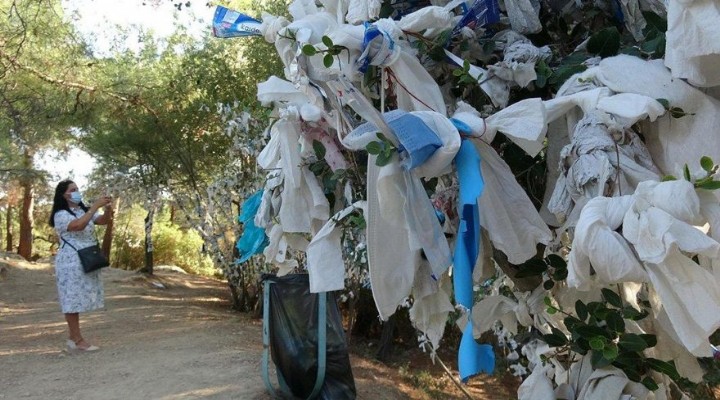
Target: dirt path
point(181, 341)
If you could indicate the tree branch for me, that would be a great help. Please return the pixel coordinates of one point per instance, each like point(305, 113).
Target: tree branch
point(134, 100)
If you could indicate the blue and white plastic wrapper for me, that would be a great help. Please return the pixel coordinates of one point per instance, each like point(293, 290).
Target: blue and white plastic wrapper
point(481, 13)
point(230, 23)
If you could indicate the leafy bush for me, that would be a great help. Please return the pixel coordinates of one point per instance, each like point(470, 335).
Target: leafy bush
point(183, 248)
point(172, 244)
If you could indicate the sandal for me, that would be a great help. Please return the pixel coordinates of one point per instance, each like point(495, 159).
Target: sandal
point(73, 347)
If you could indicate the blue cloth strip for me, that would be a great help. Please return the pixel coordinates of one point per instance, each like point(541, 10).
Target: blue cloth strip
point(417, 141)
point(467, 162)
point(473, 358)
point(253, 239)
point(461, 126)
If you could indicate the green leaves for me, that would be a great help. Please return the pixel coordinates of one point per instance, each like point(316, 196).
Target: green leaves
point(564, 72)
point(686, 173)
point(357, 221)
point(675, 112)
point(599, 331)
point(463, 74)
point(331, 52)
point(706, 182)
point(319, 149)
point(655, 28)
point(435, 49)
point(581, 310)
point(605, 43)
point(707, 164)
point(556, 339)
point(309, 50)
point(632, 342)
point(612, 297)
point(655, 24)
point(650, 383)
point(664, 367)
point(712, 185)
point(615, 321)
point(374, 148)
point(543, 73)
point(327, 41)
point(597, 343)
point(383, 149)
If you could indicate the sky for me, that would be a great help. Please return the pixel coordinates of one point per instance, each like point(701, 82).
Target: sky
point(97, 21)
point(75, 165)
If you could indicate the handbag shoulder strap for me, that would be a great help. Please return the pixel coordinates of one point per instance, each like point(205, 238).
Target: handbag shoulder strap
point(68, 243)
point(75, 248)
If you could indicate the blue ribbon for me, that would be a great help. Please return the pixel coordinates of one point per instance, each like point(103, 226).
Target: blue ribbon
point(473, 358)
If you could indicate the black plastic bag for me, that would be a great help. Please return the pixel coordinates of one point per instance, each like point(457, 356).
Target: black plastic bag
point(293, 332)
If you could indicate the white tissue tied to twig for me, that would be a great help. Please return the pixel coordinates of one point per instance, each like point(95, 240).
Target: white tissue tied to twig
point(598, 116)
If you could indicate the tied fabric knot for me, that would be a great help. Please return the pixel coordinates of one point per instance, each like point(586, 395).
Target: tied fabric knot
point(378, 48)
point(417, 142)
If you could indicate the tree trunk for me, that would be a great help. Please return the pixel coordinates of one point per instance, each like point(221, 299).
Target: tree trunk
point(172, 213)
point(9, 229)
point(351, 315)
point(149, 219)
point(26, 222)
point(386, 339)
point(235, 297)
point(109, 228)
point(26, 214)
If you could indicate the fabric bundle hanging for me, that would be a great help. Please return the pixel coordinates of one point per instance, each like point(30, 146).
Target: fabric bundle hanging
point(399, 211)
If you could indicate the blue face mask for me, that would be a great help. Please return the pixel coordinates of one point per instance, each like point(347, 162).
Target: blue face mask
point(76, 197)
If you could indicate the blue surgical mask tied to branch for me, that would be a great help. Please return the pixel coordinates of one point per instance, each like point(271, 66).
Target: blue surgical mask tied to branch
point(76, 197)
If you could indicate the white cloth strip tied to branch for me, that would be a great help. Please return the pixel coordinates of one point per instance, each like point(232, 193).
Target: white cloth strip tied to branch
point(399, 212)
point(672, 142)
point(657, 233)
point(692, 51)
point(414, 88)
point(324, 253)
point(506, 211)
point(660, 226)
point(520, 57)
point(598, 247)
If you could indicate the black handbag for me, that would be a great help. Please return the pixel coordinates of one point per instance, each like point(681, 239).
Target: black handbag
point(91, 258)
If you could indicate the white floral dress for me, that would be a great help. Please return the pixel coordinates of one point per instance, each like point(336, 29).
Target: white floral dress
point(77, 291)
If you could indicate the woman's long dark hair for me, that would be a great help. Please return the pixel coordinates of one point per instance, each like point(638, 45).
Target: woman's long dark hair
point(59, 202)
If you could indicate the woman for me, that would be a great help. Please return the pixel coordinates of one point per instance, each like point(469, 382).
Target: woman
point(77, 291)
